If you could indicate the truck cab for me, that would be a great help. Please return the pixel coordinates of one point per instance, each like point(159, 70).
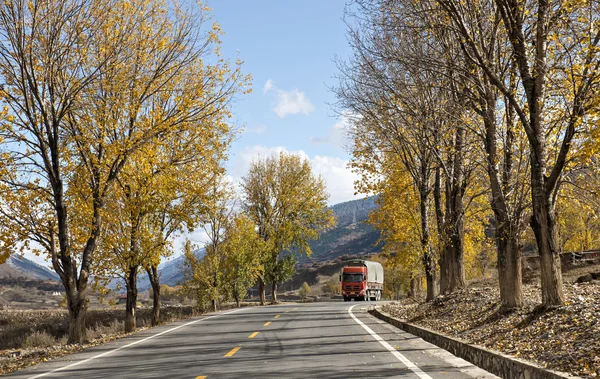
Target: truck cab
point(362, 280)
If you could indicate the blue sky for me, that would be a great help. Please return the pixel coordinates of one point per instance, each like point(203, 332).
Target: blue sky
point(289, 47)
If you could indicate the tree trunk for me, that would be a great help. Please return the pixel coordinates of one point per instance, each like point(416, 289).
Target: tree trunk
point(455, 217)
point(236, 296)
point(274, 294)
point(543, 225)
point(413, 288)
point(509, 268)
point(507, 230)
point(444, 262)
point(131, 282)
point(262, 290)
point(77, 306)
point(155, 282)
point(428, 260)
point(430, 276)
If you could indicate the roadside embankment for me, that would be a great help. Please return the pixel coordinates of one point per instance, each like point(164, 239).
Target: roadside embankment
point(565, 338)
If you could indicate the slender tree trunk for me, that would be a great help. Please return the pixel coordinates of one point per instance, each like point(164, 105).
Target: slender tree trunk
point(458, 278)
point(262, 291)
point(456, 223)
point(236, 296)
point(155, 282)
point(131, 282)
point(428, 260)
point(274, 294)
point(413, 288)
point(430, 276)
point(441, 228)
point(507, 243)
point(543, 225)
point(66, 266)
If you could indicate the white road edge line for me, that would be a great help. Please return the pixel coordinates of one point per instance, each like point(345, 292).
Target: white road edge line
point(131, 344)
point(389, 347)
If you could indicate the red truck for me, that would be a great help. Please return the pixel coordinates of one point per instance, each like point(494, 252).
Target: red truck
point(362, 280)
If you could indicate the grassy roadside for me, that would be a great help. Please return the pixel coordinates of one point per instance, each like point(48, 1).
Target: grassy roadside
point(565, 338)
point(28, 337)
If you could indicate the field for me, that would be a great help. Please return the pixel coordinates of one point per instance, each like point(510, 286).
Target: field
point(29, 336)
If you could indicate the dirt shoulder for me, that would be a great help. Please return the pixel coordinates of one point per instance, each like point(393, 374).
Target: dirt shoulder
point(565, 338)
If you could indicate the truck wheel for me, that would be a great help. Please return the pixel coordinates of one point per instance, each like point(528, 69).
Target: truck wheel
point(346, 298)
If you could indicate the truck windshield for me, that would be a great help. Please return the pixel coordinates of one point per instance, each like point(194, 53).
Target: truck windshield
point(352, 277)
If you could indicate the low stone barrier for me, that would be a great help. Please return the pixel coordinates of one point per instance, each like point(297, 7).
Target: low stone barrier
point(497, 363)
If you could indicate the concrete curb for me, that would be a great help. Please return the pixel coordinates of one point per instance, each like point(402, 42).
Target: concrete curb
point(499, 364)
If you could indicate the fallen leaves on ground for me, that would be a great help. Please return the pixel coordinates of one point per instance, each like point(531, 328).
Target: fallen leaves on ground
point(565, 338)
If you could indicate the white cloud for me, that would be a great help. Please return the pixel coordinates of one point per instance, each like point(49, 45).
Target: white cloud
point(258, 129)
point(268, 86)
point(338, 133)
point(338, 177)
point(289, 102)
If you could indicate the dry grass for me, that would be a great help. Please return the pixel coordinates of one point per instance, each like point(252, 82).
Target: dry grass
point(39, 339)
point(16, 326)
point(28, 337)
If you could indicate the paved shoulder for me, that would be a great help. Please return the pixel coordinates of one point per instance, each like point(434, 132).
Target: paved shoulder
point(423, 358)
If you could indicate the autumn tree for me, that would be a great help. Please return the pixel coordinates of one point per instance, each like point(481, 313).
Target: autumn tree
point(304, 291)
point(45, 63)
point(288, 205)
point(401, 117)
point(555, 52)
point(244, 256)
point(83, 102)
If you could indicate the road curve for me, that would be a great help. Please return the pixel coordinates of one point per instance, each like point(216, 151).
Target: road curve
point(316, 340)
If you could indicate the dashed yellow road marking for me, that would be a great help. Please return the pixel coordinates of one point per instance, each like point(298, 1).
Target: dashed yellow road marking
point(233, 351)
point(287, 311)
point(277, 316)
point(267, 323)
point(201, 377)
point(294, 309)
point(253, 335)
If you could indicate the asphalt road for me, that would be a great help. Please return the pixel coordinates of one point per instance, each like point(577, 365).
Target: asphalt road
point(317, 340)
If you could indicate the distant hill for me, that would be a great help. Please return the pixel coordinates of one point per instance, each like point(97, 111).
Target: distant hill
point(16, 267)
point(352, 235)
point(171, 272)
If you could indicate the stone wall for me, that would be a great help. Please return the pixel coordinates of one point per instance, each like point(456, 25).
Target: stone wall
point(498, 364)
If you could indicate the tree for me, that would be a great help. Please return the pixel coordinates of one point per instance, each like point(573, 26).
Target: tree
point(401, 117)
point(117, 76)
point(288, 205)
point(304, 291)
point(556, 57)
point(245, 252)
point(45, 66)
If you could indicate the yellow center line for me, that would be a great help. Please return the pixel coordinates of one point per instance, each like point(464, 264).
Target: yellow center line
point(277, 316)
point(201, 377)
point(253, 335)
point(267, 323)
point(233, 351)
